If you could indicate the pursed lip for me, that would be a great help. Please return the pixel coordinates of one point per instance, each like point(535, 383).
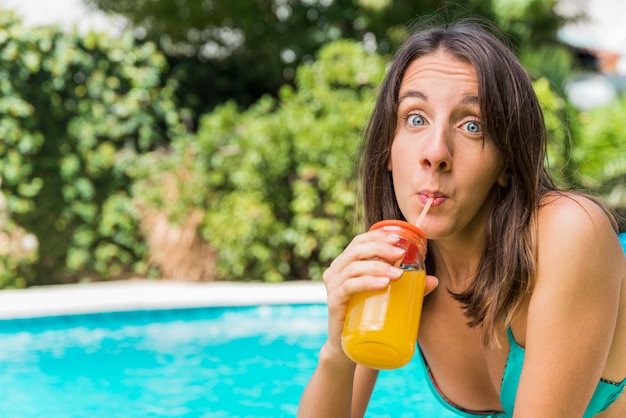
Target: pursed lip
point(438, 198)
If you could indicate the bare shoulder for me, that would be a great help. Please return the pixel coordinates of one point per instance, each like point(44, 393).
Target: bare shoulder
point(572, 211)
point(574, 228)
point(568, 216)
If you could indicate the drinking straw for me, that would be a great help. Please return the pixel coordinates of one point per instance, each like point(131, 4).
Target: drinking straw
point(424, 211)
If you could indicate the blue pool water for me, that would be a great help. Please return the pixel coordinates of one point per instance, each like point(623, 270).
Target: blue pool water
point(209, 362)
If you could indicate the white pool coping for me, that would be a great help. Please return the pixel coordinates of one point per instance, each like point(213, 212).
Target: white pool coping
point(128, 295)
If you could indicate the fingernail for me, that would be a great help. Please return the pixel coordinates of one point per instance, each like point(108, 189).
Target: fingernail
point(393, 238)
point(382, 280)
point(395, 271)
point(398, 250)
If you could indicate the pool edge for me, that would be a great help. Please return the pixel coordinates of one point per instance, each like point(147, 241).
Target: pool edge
point(139, 294)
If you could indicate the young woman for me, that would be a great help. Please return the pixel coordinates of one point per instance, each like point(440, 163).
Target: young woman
point(526, 315)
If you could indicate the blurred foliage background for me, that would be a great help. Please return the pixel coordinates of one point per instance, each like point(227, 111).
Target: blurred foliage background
point(216, 140)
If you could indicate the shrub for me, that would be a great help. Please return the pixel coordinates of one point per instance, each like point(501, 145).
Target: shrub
point(275, 181)
point(586, 149)
point(18, 249)
point(73, 112)
point(599, 141)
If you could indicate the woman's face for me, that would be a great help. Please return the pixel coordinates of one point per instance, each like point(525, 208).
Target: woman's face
point(439, 149)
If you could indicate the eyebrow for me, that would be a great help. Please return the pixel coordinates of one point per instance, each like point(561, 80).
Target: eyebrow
point(413, 93)
point(468, 99)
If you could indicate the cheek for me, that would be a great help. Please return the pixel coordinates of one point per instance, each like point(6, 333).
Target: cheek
point(401, 166)
point(390, 158)
point(487, 164)
point(398, 154)
point(393, 156)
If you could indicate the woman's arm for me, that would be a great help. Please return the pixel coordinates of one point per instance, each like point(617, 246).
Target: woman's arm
point(338, 387)
point(572, 311)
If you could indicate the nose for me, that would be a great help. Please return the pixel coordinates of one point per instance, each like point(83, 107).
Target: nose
point(437, 151)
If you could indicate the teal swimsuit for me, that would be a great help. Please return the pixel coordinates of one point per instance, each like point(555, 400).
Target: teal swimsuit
point(605, 394)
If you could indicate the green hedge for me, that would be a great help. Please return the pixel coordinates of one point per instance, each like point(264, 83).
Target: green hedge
point(586, 149)
point(275, 182)
point(74, 111)
point(96, 164)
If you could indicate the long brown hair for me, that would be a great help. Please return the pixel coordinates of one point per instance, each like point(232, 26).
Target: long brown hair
point(513, 119)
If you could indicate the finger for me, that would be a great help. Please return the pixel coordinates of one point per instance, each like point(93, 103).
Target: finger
point(357, 270)
point(369, 245)
point(338, 300)
point(431, 284)
point(360, 276)
point(372, 245)
point(363, 284)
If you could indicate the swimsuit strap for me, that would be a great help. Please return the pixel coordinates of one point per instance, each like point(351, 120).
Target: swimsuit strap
point(511, 338)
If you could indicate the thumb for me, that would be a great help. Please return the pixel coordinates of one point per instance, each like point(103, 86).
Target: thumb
point(431, 284)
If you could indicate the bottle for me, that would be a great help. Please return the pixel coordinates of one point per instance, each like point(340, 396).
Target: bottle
point(381, 326)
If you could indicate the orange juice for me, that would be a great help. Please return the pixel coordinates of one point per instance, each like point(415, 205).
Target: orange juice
point(381, 326)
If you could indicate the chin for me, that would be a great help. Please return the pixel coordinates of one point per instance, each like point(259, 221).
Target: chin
point(430, 232)
point(434, 233)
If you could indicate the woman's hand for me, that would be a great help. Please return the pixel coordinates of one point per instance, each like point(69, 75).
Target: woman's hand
point(360, 267)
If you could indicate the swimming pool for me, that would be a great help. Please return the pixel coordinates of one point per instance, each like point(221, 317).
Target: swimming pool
point(185, 362)
point(201, 362)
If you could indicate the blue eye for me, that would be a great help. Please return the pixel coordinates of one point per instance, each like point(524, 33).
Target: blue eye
point(416, 120)
point(472, 127)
